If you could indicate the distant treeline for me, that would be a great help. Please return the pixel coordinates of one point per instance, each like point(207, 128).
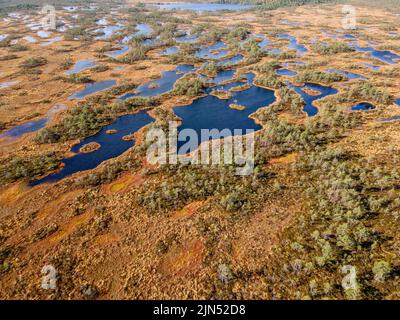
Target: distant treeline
point(6, 5)
point(15, 5)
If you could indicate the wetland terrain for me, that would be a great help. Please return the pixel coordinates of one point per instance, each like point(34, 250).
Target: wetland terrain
point(77, 192)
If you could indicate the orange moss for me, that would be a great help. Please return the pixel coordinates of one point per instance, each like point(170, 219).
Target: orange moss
point(182, 260)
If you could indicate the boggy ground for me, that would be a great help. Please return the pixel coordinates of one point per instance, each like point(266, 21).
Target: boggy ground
point(199, 233)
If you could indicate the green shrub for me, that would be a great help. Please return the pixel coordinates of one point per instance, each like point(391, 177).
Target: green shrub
point(319, 77)
point(189, 85)
point(381, 270)
point(33, 62)
point(334, 48)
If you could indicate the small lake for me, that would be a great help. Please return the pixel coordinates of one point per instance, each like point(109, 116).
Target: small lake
point(200, 7)
point(320, 92)
point(186, 39)
point(30, 39)
point(274, 51)
point(162, 85)
point(116, 53)
point(93, 88)
point(210, 112)
point(397, 101)
point(362, 106)
point(384, 56)
point(347, 74)
point(107, 32)
point(102, 22)
point(395, 118)
point(170, 50)
point(32, 126)
point(5, 85)
point(247, 78)
point(286, 72)
point(44, 34)
point(261, 39)
point(24, 128)
point(81, 65)
point(216, 51)
point(231, 60)
point(49, 42)
point(143, 30)
point(293, 43)
point(112, 145)
point(372, 66)
point(222, 76)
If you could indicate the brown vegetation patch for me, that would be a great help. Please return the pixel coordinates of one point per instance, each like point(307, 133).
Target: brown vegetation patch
point(289, 158)
point(182, 260)
point(188, 210)
point(14, 192)
point(123, 183)
point(90, 147)
point(254, 244)
point(70, 227)
point(57, 205)
point(105, 239)
point(311, 92)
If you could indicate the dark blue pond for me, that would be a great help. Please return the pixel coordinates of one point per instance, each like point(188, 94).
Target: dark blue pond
point(81, 65)
point(143, 30)
point(210, 112)
point(293, 44)
point(24, 128)
point(395, 118)
point(397, 101)
point(363, 106)
point(112, 145)
point(260, 38)
point(247, 78)
point(203, 6)
point(264, 43)
point(222, 76)
point(116, 53)
point(309, 99)
point(232, 60)
point(107, 32)
point(32, 126)
point(348, 74)
point(349, 36)
point(215, 51)
point(186, 39)
point(274, 51)
point(334, 35)
point(165, 84)
point(170, 50)
point(285, 72)
point(372, 66)
point(93, 88)
point(151, 42)
point(385, 56)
